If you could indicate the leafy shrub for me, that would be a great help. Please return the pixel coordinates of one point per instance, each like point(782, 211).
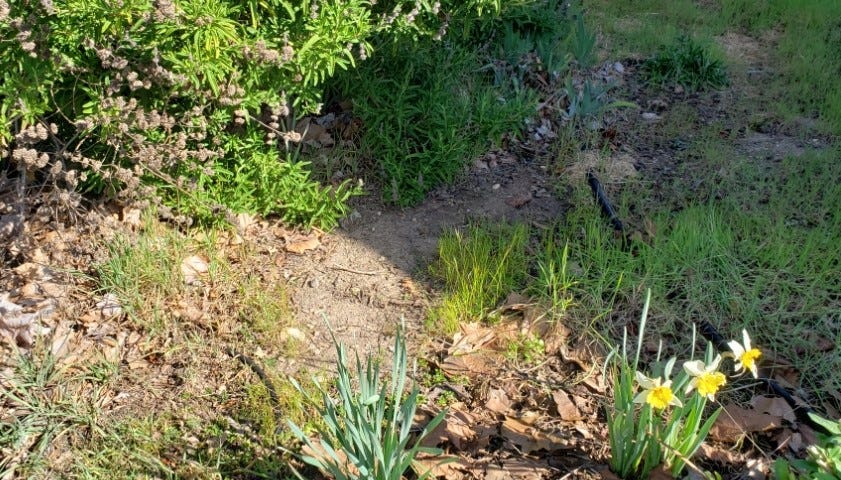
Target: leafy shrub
point(686, 63)
point(427, 113)
point(153, 98)
point(428, 117)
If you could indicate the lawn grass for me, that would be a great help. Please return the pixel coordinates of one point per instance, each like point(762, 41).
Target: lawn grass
point(804, 35)
point(763, 257)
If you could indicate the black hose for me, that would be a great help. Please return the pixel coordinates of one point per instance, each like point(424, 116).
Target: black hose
point(601, 198)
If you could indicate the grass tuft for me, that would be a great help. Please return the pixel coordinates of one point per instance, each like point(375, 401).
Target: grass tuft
point(686, 63)
point(479, 268)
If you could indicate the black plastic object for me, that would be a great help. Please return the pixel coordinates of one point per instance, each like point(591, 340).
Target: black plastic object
point(800, 411)
point(601, 198)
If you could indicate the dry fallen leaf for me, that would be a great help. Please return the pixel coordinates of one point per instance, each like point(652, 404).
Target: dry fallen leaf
point(194, 268)
point(439, 466)
point(109, 306)
point(530, 439)
point(498, 401)
point(565, 407)
point(519, 468)
point(302, 246)
point(773, 406)
point(734, 422)
point(519, 200)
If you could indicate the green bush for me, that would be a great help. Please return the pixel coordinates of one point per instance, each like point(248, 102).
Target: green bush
point(151, 99)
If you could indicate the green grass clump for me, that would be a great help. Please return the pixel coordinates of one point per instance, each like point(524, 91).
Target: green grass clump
point(479, 268)
point(429, 116)
point(686, 63)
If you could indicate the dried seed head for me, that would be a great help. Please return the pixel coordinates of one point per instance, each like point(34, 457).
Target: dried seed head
point(164, 10)
point(287, 53)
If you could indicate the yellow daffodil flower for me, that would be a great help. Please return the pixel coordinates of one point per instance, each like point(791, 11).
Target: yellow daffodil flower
point(656, 393)
point(745, 356)
point(706, 378)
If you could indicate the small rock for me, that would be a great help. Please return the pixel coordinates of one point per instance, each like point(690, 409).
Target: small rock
point(480, 165)
point(618, 67)
point(650, 116)
point(678, 89)
point(296, 334)
point(496, 186)
point(313, 283)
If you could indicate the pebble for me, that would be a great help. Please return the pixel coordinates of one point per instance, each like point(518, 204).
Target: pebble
point(650, 116)
point(618, 67)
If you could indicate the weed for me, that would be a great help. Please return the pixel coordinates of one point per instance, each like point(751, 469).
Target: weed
point(144, 274)
point(685, 63)
point(429, 116)
point(478, 268)
point(554, 281)
point(529, 349)
point(824, 459)
point(264, 308)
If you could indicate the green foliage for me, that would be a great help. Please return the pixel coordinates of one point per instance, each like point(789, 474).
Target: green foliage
point(554, 280)
point(110, 98)
point(823, 461)
point(589, 100)
point(685, 63)
point(367, 431)
point(429, 115)
point(426, 111)
point(526, 348)
point(583, 43)
point(478, 268)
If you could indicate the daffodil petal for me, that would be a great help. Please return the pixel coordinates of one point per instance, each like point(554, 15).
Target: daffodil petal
point(746, 339)
point(641, 397)
point(676, 402)
point(691, 385)
point(647, 383)
point(712, 367)
point(736, 348)
point(694, 368)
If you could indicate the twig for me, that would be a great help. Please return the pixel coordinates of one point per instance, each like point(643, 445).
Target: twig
point(360, 272)
point(258, 370)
